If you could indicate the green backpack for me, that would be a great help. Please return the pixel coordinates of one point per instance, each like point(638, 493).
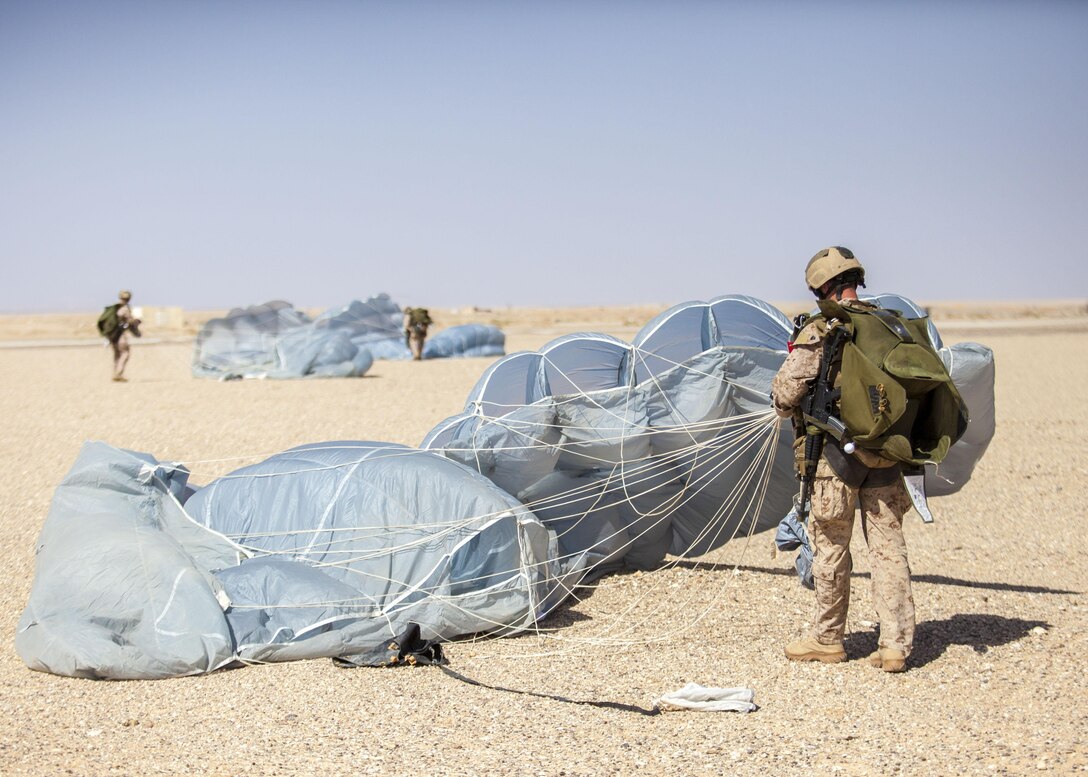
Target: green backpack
point(108, 323)
point(419, 317)
point(897, 397)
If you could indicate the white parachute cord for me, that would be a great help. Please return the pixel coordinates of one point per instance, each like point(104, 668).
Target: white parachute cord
point(387, 550)
point(621, 619)
point(630, 625)
point(402, 583)
point(622, 438)
point(401, 451)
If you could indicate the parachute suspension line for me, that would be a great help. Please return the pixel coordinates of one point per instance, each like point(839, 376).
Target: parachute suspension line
point(345, 477)
point(757, 419)
point(687, 368)
point(504, 626)
point(769, 445)
point(630, 625)
point(735, 454)
point(618, 619)
point(382, 552)
point(554, 501)
point(580, 394)
point(462, 523)
point(610, 705)
point(399, 450)
point(517, 425)
point(732, 438)
point(752, 473)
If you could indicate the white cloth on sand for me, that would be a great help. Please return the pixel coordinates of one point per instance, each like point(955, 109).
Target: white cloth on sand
point(695, 697)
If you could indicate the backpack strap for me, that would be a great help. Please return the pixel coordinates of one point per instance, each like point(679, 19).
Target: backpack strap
point(892, 322)
point(799, 322)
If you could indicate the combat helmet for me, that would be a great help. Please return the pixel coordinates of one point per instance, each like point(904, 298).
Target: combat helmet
point(124, 295)
point(831, 263)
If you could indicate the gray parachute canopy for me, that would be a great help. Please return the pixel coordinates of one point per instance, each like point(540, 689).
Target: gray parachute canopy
point(324, 550)
point(589, 455)
point(465, 340)
point(274, 340)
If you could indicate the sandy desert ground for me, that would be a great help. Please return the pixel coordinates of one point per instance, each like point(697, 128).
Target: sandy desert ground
point(998, 683)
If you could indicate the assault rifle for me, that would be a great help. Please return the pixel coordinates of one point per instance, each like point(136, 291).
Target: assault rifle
point(818, 416)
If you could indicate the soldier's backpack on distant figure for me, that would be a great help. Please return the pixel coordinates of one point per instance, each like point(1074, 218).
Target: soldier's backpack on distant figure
point(419, 319)
point(897, 396)
point(109, 325)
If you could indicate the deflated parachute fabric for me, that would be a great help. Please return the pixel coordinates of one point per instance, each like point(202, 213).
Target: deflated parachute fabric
point(276, 341)
point(324, 550)
point(971, 366)
point(354, 541)
point(465, 340)
point(588, 456)
point(124, 586)
point(244, 341)
point(376, 325)
point(632, 451)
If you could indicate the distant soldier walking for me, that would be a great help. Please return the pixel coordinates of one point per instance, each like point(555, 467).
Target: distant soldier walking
point(115, 324)
point(416, 322)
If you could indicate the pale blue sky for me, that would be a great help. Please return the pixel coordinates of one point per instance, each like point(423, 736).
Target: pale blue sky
point(216, 153)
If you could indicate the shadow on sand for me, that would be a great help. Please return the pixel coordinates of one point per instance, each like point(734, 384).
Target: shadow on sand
point(978, 631)
point(930, 579)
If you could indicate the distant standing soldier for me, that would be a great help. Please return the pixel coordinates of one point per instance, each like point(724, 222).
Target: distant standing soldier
point(416, 321)
point(842, 480)
point(115, 324)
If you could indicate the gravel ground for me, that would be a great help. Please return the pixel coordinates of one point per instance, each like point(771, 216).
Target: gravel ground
point(996, 684)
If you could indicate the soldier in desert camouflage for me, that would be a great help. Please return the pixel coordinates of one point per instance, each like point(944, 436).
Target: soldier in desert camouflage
point(843, 480)
point(119, 339)
point(416, 323)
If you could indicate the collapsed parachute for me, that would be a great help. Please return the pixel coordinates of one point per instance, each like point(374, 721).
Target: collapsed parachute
point(588, 456)
point(274, 340)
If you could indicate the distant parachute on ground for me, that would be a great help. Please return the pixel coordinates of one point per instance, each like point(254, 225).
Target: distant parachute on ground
point(587, 456)
point(465, 340)
point(274, 340)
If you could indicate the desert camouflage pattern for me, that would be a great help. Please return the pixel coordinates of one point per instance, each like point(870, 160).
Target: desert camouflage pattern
point(415, 343)
point(802, 365)
point(834, 505)
point(120, 343)
point(882, 509)
point(415, 334)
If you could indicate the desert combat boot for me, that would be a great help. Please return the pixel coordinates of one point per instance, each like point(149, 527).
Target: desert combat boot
point(809, 649)
point(888, 659)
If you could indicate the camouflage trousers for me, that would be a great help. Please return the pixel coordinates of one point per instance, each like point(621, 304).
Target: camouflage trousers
point(832, 524)
point(415, 343)
point(121, 350)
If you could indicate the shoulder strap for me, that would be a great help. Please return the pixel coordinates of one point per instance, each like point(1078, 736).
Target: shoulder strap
point(799, 322)
point(892, 322)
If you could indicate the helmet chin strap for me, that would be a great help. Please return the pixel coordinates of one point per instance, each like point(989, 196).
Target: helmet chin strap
point(835, 290)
